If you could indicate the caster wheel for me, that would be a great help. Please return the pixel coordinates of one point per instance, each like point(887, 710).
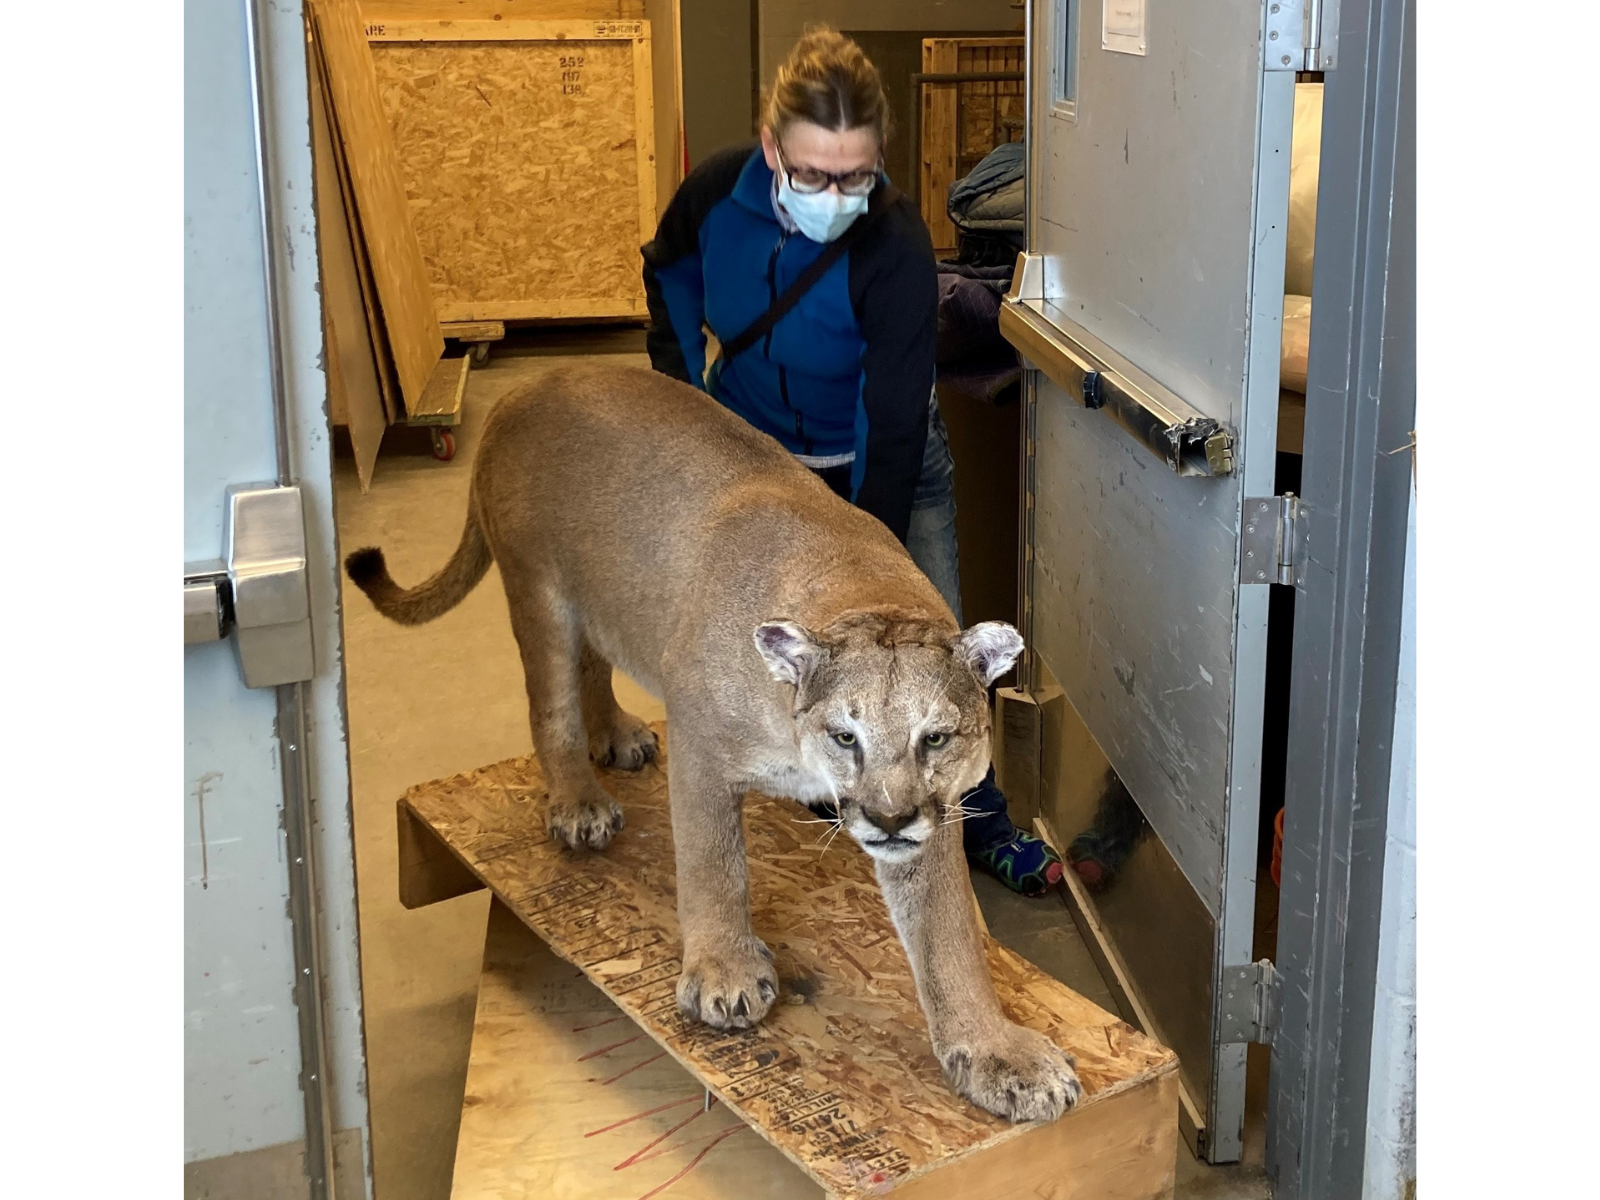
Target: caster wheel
point(444, 444)
point(480, 353)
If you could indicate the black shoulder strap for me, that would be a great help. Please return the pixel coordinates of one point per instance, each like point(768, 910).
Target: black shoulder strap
point(837, 249)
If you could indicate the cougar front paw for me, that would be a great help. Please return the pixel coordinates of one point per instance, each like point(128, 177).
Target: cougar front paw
point(627, 745)
point(588, 822)
point(1019, 1074)
point(730, 988)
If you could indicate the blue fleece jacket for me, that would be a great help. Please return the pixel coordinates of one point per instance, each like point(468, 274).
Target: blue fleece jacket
point(848, 371)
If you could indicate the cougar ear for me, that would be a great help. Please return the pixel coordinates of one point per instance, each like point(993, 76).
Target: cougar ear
point(989, 648)
point(790, 650)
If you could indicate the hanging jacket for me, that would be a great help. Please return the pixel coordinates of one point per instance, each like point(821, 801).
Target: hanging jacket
point(843, 377)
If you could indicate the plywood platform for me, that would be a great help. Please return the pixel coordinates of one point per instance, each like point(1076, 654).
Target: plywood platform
point(840, 1077)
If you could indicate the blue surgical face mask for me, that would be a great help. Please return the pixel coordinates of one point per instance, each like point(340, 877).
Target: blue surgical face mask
point(822, 216)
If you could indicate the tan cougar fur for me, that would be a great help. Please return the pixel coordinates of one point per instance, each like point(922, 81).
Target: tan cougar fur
point(799, 652)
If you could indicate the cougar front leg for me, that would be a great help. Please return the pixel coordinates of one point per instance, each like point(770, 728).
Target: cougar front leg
point(580, 812)
point(1011, 1071)
point(728, 980)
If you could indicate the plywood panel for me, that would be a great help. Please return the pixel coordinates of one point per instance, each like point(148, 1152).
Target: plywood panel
point(567, 1100)
point(428, 872)
point(355, 395)
point(529, 160)
point(398, 272)
point(1123, 1149)
point(377, 337)
point(839, 1076)
point(666, 85)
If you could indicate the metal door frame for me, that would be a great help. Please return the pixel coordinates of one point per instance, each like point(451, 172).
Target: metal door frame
point(1357, 474)
point(311, 748)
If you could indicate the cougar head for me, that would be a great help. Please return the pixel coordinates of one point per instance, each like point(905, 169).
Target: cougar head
point(891, 714)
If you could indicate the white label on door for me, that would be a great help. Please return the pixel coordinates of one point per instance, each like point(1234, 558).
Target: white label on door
point(1122, 26)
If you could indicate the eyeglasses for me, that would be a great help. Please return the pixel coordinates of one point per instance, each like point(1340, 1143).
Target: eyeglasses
point(809, 180)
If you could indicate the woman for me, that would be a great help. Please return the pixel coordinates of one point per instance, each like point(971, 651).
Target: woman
point(844, 379)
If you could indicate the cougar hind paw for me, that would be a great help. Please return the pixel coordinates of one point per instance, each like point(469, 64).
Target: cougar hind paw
point(627, 746)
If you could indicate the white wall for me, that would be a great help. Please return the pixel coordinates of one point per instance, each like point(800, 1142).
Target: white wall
point(1391, 1155)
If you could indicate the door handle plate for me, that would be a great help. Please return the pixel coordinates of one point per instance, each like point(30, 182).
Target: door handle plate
point(259, 591)
point(265, 554)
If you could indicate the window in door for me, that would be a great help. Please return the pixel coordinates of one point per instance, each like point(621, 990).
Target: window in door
point(1064, 35)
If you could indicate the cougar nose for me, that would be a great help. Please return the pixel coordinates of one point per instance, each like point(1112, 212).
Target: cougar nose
point(891, 823)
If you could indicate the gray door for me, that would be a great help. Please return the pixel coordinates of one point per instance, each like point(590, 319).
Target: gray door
point(1151, 302)
point(273, 1061)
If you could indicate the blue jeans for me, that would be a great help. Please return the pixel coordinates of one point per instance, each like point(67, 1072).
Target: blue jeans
point(931, 537)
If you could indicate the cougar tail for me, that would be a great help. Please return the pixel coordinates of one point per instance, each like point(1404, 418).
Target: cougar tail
point(434, 598)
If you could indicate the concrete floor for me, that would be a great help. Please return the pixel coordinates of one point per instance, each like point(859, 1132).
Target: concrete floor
point(447, 697)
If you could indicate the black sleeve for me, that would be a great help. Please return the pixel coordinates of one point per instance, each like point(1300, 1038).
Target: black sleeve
point(894, 290)
point(673, 287)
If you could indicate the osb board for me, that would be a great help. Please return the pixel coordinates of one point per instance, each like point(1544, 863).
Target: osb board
point(567, 1100)
point(528, 149)
point(960, 123)
point(354, 393)
point(666, 60)
point(400, 276)
point(1125, 1148)
point(377, 337)
point(840, 1075)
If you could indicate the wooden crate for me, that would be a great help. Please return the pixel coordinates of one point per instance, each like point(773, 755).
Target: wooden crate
point(666, 61)
point(839, 1078)
point(528, 152)
point(960, 123)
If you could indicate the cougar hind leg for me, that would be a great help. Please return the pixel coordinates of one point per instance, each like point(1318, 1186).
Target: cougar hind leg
point(581, 814)
point(616, 738)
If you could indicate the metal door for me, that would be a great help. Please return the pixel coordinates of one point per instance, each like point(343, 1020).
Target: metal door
point(273, 1058)
point(1150, 303)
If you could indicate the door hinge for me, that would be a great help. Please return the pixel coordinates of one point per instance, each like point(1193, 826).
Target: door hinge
point(1300, 35)
point(1249, 1008)
point(1272, 539)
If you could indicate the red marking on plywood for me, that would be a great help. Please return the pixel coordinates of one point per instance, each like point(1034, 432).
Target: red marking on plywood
point(610, 1048)
point(640, 1116)
point(694, 1162)
point(643, 1063)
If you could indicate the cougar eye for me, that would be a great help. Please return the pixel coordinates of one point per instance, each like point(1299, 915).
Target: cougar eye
point(934, 740)
point(845, 739)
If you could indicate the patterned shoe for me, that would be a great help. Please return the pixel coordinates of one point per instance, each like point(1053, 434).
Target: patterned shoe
point(1025, 864)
